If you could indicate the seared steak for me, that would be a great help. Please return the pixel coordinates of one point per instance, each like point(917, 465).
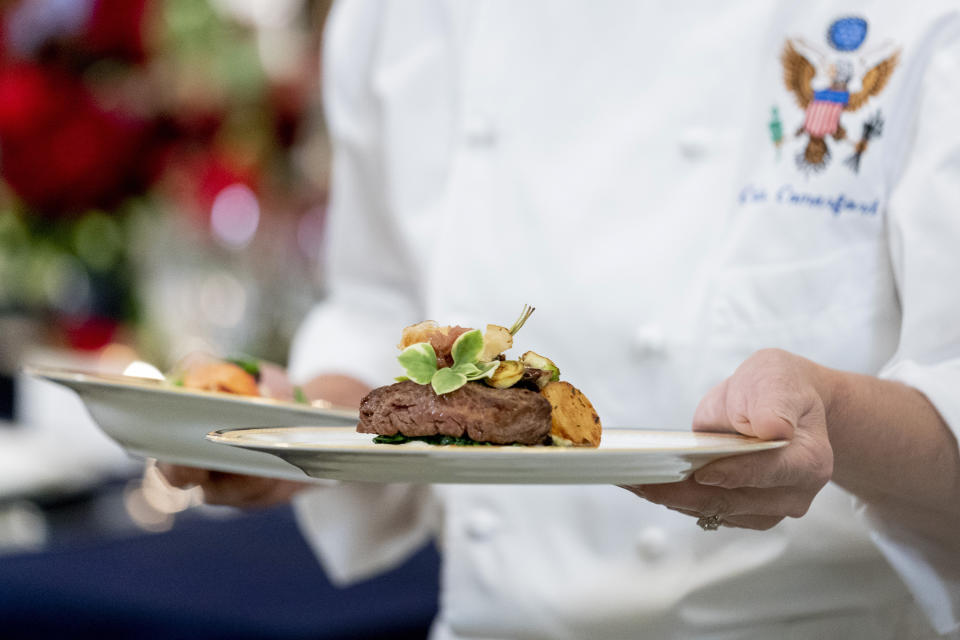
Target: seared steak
point(476, 411)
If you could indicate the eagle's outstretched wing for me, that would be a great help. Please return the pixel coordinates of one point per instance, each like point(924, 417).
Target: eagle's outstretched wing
point(873, 82)
point(797, 74)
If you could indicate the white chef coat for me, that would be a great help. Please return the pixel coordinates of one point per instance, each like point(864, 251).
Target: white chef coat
point(612, 163)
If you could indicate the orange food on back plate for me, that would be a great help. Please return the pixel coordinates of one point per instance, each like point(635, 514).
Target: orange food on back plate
point(221, 376)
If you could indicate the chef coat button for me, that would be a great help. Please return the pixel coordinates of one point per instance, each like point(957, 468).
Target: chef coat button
point(481, 524)
point(694, 142)
point(480, 131)
point(649, 340)
point(652, 543)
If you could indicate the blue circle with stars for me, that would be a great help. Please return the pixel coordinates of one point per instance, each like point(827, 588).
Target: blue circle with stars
point(847, 34)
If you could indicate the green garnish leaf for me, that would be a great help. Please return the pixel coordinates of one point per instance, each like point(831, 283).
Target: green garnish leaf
point(401, 378)
point(446, 380)
point(299, 395)
point(476, 371)
point(248, 364)
point(466, 368)
point(467, 347)
point(419, 362)
point(485, 370)
point(397, 438)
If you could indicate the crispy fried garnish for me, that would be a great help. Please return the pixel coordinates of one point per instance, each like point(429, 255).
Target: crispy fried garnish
point(496, 340)
point(440, 338)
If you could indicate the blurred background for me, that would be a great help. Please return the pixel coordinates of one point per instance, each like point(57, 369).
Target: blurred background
point(163, 183)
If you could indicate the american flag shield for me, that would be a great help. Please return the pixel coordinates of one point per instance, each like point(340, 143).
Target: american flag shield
point(823, 114)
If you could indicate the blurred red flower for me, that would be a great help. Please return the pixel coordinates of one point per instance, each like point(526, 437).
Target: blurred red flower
point(27, 104)
point(88, 333)
point(116, 29)
point(60, 152)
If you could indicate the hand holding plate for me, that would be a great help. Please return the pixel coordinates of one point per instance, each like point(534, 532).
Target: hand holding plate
point(772, 395)
point(231, 489)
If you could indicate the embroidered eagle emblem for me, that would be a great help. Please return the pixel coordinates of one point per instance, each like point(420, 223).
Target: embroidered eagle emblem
point(824, 107)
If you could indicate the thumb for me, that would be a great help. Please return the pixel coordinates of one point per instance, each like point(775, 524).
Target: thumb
point(711, 413)
point(759, 411)
point(770, 420)
point(764, 406)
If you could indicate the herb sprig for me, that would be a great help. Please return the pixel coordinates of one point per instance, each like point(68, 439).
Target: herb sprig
point(419, 362)
point(522, 320)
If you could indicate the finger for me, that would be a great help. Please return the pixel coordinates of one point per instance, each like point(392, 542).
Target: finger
point(233, 489)
point(247, 491)
point(807, 462)
point(182, 477)
point(690, 496)
point(711, 413)
point(759, 523)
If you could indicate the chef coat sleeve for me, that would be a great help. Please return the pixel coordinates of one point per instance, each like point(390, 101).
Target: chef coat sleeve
point(924, 236)
point(369, 276)
point(358, 529)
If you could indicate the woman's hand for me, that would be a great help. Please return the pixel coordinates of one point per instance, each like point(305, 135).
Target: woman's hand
point(772, 395)
point(235, 490)
point(245, 491)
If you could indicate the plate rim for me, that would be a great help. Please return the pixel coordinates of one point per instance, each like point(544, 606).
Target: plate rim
point(745, 444)
point(66, 376)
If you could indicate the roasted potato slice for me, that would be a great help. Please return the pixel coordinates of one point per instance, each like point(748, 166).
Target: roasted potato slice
point(573, 417)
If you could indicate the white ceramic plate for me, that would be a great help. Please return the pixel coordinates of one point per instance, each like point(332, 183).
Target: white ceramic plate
point(152, 419)
point(625, 456)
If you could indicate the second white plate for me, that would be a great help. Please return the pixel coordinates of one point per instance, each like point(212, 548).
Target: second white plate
point(169, 423)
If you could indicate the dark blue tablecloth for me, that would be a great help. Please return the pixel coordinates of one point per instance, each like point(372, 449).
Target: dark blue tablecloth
point(242, 577)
